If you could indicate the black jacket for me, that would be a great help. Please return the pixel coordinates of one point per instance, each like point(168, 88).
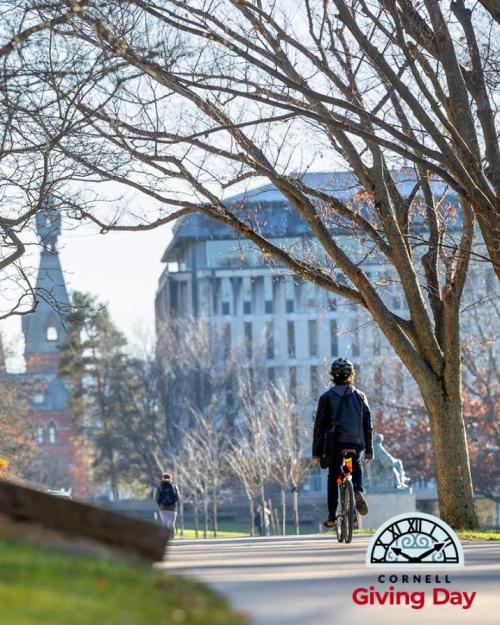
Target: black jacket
point(173, 506)
point(353, 423)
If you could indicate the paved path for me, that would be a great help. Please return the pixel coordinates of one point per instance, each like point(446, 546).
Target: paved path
point(309, 580)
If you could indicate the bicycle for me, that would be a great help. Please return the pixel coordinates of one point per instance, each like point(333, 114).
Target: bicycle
point(345, 508)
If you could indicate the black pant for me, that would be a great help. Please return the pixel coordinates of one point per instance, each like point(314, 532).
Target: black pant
point(334, 472)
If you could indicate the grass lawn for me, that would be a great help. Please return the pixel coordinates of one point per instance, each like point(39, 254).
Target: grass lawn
point(41, 586)
point(235, 529)
point(462, 534)
point(479, 535)
point(189, 533)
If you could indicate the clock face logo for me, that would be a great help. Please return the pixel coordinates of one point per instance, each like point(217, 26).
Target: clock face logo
point(414, 540)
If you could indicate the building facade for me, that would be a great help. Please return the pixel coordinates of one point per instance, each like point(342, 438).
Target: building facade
point(293, 328)
point(289, 330)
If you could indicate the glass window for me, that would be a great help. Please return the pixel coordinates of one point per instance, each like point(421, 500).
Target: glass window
point(268, 295)
point(291, 338)
point(226, 295)
point(269, 340)
point(310, 295)
point(271, 375)
point(248, 339)
point(40, 436)
point(232, 253)
point(247, 296)
point(52, 434)
point(334, 338)
point(183, 297)
point(290, 299)
point(313, 337)
point(51, 333)
point(314, 382)
point(292, 372)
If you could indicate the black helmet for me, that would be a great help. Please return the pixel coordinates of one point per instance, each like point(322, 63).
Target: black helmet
point(341, 368)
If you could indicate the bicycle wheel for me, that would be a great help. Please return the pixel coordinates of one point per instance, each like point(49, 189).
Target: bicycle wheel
point(348, 511)
point(339, 527)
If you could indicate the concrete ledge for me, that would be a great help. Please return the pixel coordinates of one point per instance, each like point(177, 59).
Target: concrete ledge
point(70, 518)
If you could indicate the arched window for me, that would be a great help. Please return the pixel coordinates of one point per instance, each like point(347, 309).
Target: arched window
point(52, 433)
point(40, 436)
point(51, 333)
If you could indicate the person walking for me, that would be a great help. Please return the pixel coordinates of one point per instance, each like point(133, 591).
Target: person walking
point(343, 421)
point(167, 497)
point(263, 521)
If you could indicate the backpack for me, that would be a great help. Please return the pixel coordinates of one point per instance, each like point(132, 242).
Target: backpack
point(349, 419)
point(167, 495)
point(330, 436)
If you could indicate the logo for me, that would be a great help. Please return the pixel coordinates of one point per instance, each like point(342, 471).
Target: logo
point(414, 540)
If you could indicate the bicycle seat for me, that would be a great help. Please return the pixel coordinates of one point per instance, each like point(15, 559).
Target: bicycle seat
point(348, 451)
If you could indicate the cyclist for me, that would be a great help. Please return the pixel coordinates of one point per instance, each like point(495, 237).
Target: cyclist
point(344, 410)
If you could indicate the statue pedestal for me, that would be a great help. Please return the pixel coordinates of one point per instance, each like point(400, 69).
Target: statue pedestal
point(383, 506)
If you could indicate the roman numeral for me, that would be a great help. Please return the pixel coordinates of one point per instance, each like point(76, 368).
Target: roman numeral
point(415, 525)
point(395, 531)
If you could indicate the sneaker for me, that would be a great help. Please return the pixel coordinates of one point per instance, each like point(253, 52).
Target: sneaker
point(361, 505)
point(329, 523)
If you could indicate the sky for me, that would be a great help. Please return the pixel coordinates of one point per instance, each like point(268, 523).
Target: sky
point(121, 269)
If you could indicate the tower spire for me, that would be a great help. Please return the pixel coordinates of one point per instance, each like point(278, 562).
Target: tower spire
point(43, 329)
point(48, 225)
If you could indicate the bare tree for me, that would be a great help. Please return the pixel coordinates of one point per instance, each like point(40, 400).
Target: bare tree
point(210, 438)
point(290, 436)
point(254, 436)
point(189, 99)
point(195, 453)
point(33, 120)
point(241, 459)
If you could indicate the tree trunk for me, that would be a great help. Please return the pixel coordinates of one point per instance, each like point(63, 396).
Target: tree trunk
point(283, 510)
point(215, 523)
point(263, 510)
point(113, 475)
point(205, 517)
point(251, 508)
point(274, 523)
point(296, 524)
point(451, 456)
point(181, 518)
point(196, 523)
